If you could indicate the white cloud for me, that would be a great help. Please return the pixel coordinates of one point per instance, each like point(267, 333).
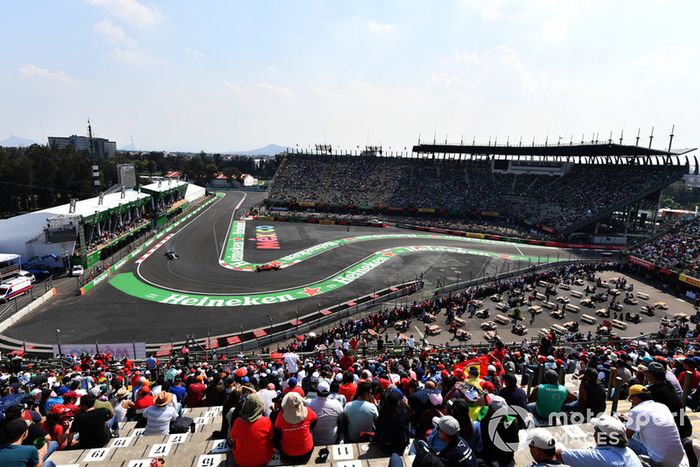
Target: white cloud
point(193, 54)
point(137, 56)
point(380, 28)
point(34, 72)
point(114, 34)
point(258, 90)
point(130, 11)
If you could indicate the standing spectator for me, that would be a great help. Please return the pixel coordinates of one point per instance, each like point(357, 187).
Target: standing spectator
point(293, 362)
point(252, 434)
point(361, 413)
point(160, 414)
point(90, 424)
point(330, 416)
point(294, 425)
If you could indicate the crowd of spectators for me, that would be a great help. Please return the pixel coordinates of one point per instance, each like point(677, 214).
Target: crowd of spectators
point(678, 249)
point(99, 240)
point(336, 386)
point(464, 188)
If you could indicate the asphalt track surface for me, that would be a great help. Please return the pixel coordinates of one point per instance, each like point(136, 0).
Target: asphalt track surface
point(109, 315)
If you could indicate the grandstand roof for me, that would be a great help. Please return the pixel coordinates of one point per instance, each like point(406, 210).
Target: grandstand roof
point(557, 151)
point(88, 207)
point(163, 186)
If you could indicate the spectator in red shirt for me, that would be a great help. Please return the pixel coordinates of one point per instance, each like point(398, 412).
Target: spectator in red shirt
point(348, 388)
point(689, 364)
point(144, 398)
point(252, 434)
point(195, 392)
point(295, 423)
point(292, 387)
point(346, 361)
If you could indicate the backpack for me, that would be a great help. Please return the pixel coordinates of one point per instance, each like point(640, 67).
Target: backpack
point(182, 425)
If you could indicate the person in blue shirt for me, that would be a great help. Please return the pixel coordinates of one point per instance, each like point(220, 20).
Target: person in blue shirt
point(178, 389)
point(13, 453)
point(611, 447)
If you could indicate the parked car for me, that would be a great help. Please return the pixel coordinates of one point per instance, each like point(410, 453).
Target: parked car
point(77, 271)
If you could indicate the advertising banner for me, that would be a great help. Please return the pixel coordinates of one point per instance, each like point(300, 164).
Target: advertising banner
point(118, 351)
point(641, 262)
point(689, 280)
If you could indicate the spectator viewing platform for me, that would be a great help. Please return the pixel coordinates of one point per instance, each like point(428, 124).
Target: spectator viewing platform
point(561, 191)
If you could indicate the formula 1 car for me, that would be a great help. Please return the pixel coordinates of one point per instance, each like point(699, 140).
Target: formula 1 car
point(171, 255)
point(273, 266)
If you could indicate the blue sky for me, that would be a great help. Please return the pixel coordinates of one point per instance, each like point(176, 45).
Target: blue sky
point(225, 75)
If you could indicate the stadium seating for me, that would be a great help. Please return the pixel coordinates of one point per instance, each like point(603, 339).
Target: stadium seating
point(462, 188)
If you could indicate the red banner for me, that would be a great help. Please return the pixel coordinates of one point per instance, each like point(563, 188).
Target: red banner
point(641, 262)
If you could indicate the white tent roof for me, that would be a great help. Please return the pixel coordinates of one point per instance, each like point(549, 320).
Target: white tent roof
point(165, 185)
point(87, 207)
point(7, 257)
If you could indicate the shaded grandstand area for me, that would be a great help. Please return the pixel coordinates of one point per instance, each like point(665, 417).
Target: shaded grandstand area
point(555, 191)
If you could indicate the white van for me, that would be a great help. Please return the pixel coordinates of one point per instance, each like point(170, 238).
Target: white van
point(27, 275)
point(14, 288)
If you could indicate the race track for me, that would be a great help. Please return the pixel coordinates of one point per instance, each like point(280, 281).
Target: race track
point(213, 288)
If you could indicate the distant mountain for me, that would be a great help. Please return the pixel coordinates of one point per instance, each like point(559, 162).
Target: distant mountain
point(269, 150)
point(17, 142)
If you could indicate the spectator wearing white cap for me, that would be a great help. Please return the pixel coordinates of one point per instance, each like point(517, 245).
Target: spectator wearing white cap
point(610, 450)
point(330, 416)
point(543, 448)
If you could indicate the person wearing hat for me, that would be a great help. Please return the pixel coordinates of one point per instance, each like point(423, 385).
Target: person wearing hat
point(506, 429)
point(329, 413)
point(252, 434)
point(144, 398)
point(549, 397)
point(456, 451)
point(662, 392)
point(543, 448)
point(610, 450)
point(651, 430)
point(292, 386)
point(294, 428)
point(160, 414)
point(120, 406)
point(473, 376)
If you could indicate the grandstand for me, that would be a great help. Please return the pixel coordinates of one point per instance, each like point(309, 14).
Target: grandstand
point(586, 191)
point(87, 231)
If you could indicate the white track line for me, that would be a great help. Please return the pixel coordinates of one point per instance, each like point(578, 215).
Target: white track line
point(519, 250)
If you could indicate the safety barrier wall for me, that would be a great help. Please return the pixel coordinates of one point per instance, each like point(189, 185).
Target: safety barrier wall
point(107, 273)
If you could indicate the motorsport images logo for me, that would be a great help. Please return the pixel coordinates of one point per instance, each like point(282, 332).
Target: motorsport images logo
point(266, 238)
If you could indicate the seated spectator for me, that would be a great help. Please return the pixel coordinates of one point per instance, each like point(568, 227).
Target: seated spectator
point(292, 386)
point(252, 434)
point(329, 413)
point(12, 450)
point(549, 397)
point(195, 393)
point(469, 430)
point(610, 450)
point(90, 424)
point(507, 430)
point(144, 398)
point(361, 413)
point(651, 430)
point(392, 423)
point(121, 406)
point(348, 386)
point(294, 425)
point(542, 448)
point(160, 414)
point(454, 452)
point(591, 395)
